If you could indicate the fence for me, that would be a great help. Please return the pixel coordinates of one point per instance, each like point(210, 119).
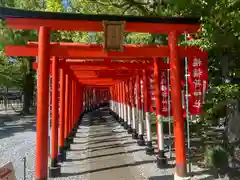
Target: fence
point(7, 104)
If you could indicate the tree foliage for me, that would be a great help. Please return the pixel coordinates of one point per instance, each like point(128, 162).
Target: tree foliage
point(17, 72)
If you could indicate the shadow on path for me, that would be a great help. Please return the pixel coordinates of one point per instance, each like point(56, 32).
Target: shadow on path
point(14, 123)
point(111, 146)
point(105, 155)
point(106, 168)
point(164, 177)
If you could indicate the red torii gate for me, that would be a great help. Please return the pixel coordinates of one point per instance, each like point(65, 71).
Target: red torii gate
point(45, 22)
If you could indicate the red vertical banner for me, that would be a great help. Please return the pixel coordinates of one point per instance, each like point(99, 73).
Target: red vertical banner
point(164, 93)
point(197, 83)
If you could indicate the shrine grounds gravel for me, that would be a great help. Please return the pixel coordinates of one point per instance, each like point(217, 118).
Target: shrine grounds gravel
point(17, 140)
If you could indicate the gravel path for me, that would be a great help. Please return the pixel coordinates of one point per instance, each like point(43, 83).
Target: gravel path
point(17, 140)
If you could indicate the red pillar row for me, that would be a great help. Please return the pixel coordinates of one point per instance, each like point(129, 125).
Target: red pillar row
point(121, 98)
point(68, 104)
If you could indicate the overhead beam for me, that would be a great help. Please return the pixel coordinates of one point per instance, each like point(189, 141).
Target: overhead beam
point(91, 66)
point(103, 83)
point(90, 53)
point(101, 87)
point(97, 26)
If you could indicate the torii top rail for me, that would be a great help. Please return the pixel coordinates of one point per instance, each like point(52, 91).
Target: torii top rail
point(71, 56)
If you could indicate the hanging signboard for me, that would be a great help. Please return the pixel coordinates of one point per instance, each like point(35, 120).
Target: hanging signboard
point(113, 36)
point(7, 172)
point(198, 82)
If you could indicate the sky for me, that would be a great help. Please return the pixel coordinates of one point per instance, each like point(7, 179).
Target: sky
point(65, 3)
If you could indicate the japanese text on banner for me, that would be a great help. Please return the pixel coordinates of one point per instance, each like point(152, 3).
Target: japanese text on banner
point(164, 107)
point(197, 70)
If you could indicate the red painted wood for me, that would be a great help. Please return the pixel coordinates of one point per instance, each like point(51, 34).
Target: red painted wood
point(82, 25)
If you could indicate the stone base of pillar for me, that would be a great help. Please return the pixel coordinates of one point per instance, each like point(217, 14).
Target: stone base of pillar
point(134, 134)
point(55, 171)
point(62, 154)
point(115, 116)
point(71, 133)
point(70, 139)
point(125, 125)
point(90, 122)
point(130, 131)
point(176, 177)
point(66, 145)
point(54, 162)
point(121, 122)
point(161, 160)
point(149, 148)
point(118, 119)
point(141, 141)
point(79, 121)
point(75, 131)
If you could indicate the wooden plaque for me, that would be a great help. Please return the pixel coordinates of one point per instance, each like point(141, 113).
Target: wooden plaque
point(113, 35)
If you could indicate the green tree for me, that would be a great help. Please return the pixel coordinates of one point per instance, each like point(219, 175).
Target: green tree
point(19, 73)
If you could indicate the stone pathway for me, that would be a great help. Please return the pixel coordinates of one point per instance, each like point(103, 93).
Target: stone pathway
point(104, 151)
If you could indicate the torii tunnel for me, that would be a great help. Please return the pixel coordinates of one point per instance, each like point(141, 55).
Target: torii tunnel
point(90, 77)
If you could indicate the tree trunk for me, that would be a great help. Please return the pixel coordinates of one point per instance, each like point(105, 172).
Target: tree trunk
point(6, 99)
point(28, 88)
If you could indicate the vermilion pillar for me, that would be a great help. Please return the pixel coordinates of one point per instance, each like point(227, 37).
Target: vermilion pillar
point(146, 84)
point(86, 99)
point(125, 106)
point(93, 98)
point(66, 113)
point(141, 141)
point(134, 109)
point(77, 106)
point(73, 105)
point(79, 101)
point(114, 101)
point(70, 139)
point(129, 108)
point(161, 159)
point(121, 104)
point(175, 80)
point(41, 172)
point(90, 98)
point(54, 169)
point(81, 94)
point(62, 153)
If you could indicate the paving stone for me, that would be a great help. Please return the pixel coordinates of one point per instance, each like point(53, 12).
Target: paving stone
point(105, 151)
